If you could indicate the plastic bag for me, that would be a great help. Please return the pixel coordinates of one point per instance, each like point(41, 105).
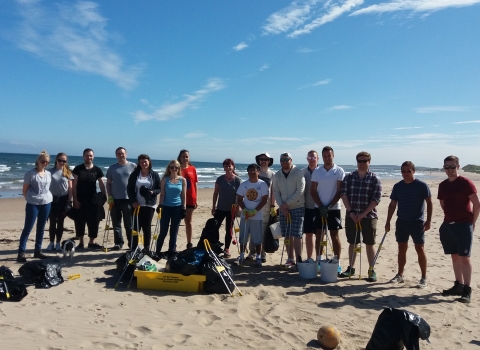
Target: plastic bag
point(124, 261)
point(44, 274)
point(271, 244)
point(16, 291)
point(396, 329)
point(213, 282)
point(187, 262)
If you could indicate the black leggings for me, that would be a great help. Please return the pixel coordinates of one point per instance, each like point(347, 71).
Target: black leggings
point(57, 217)
point(145, 216)
point(219, 216)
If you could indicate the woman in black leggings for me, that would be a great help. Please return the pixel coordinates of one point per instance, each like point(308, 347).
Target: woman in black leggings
point(226, 193)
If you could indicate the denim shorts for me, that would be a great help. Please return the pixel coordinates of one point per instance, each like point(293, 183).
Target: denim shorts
point(251, 227)
point(404, 229)
point(457, 238)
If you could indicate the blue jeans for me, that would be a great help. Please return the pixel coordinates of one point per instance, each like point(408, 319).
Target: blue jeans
point(121, 207)
point(32, 213)
point(171, 216)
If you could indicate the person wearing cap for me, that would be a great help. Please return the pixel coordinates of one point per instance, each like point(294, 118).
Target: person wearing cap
point(252, 195)
point(265, 162)
point(361, 192)
point(289, 189)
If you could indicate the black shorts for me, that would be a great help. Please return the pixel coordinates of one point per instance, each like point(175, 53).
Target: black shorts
point(334, 220)
point(369, 231)
point(457, 238)
point(190, 206)
point(404, 229)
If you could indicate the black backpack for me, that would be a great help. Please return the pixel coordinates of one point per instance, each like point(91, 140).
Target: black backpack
point(271, 244)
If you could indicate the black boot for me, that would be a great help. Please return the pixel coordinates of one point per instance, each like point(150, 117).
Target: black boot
point(466, 296)
point(457, 289)
point(39, 255)
point(21, 258)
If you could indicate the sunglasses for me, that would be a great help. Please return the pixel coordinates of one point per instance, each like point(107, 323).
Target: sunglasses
point(173, 167)
point(446, 167)
point(311, 158)
point(264, 159)
point(283, 160)
point(61, 160)
point(44, 161)
point(363, 161)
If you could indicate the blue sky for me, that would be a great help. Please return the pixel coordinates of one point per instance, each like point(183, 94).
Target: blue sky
point(399, 79)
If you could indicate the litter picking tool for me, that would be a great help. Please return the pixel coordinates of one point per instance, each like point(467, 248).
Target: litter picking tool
point(156, 232)
point(370, 269)
point(358, 227)
point(133, 261)
point(355, 249)
point(136, 211)
point(233, 229)
point(286, 242)
point(107, 228)
point(220, 268)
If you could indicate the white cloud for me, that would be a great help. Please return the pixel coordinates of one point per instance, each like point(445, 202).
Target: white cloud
point(175, 110)
point(332, 12)
point(195, 135)
point(339, 107)
point(73, 36)
point(240, 46)
point(435, 109)
point(409, 127)
point(264, 67)
point(469, 122)
point(322, 82)
point(414, 5)
point(304, 50)
point(289, 17)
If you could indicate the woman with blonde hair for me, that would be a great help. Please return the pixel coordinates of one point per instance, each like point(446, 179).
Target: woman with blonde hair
point(172, 203)
point(61, 189)
point(36, 191)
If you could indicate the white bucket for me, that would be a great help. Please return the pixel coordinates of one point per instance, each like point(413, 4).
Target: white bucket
point(307, 270)
point(276, 230)
point(328, 271)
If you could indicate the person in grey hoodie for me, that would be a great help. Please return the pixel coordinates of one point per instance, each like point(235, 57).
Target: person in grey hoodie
point(288, 189)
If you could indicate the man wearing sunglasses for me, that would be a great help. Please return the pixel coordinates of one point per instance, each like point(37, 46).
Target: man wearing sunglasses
point(411, 195)
point(456, 232)
point(289, 189)
point(117, 180)
point(361, 192)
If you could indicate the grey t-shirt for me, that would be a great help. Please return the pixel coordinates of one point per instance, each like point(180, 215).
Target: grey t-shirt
point(227, 192)
point(410, 199)
point(309, 202)
point(38, 192)
point(59, 184)
point(119, 175)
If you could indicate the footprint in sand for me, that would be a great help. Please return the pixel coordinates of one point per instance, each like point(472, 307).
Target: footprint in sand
point(181, 338)
point(208, 320)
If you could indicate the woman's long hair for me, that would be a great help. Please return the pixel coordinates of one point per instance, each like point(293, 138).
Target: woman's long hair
point(230, 161)
point(179, 158)
point(66, 172)
point(42, 156)
point(143, 156)
point(168, 172)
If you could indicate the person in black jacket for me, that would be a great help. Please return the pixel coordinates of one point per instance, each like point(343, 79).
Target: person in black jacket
point(143, 188)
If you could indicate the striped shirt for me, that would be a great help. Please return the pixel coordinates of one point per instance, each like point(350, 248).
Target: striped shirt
point(361, 192)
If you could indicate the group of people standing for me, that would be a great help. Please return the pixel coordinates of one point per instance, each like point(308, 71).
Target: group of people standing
point(308, 203)
point(57, 192)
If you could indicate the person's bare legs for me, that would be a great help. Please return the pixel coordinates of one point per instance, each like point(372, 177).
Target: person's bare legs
point(337, 245)
point(309, 244)
point(370, 253)
point(402, 257)
point(462, 268)
point(422, 259)
point(188, 224)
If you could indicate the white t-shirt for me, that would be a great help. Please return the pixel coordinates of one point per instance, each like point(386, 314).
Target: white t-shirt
point(252, 193)
point(147, 182)
point(327, 184)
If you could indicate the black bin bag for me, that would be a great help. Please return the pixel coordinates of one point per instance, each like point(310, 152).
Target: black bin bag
point(10, 290)
point(271, 244)
point(187, 262)
point(213, 281)
point(42, 273)
point(398, 329)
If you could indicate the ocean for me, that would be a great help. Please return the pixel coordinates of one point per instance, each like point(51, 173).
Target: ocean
point(13, 166)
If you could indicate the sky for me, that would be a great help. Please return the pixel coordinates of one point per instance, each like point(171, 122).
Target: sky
point(399, 79)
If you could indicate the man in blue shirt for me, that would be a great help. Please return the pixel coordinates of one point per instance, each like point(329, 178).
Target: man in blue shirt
point(411, 195)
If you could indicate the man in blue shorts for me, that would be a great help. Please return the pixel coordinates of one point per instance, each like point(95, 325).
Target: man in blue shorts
point(289, 188)
point(325, 190)
point(252, 195)
point(361, 192)
point(456, 233)
point(411, 195)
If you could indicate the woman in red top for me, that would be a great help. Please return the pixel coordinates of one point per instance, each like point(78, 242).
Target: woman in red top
point(190, 174)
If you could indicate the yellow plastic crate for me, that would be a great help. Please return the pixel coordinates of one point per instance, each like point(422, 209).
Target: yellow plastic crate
point(169, 281)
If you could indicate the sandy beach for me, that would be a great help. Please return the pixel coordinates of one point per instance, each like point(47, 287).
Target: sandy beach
point(278, 309)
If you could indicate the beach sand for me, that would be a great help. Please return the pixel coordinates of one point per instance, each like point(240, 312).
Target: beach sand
point(278, 309)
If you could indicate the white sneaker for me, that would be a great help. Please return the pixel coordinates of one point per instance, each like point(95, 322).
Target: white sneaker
point(422, 283)
point(50, 246)
point(58, 247)
point(397, 279)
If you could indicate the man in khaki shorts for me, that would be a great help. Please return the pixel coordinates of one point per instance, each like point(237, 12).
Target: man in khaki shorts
point(361, 192)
